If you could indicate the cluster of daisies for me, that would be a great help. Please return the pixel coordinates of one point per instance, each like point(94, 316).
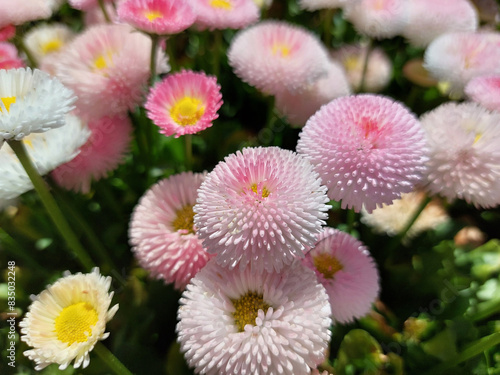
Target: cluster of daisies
point(262, 278)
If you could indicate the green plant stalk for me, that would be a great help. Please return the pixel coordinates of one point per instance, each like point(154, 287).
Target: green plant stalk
point(327, 26)
point(152, 61)
point(110, 359)
point(103, 10)
point(217, 46)
point(369, 49)
point(19, 43)
point(486, 309)
point(351, 219)
point(51, 206)
point(171, 53)
point(188, 151)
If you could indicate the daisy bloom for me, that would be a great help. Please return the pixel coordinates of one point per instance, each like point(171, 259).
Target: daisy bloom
point(105, 149)
point(378, 18)
point(298, 107)
point(46, 150)
point(184, 103)
point(240, 322)
point(7, 32)
point(485, 90)
point(9, 59)
point(456, 58)
point(66, 320)
point(31, 101)
point(393, 218)
point(108, 68)
point(260, 207)
point(162, 233)
point(322, 4)
point(276, 56)
point(225, 14)
point(464, 159)
point(429, 19)
point(95, 16)
point(162, 17)
point(46, 39)
point(378, 71)
point(345, 268)
point(367, 149)
point(19, 12)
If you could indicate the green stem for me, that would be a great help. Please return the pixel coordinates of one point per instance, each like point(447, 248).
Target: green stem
point(216, 49)
point(369, 48)
point(471, 351)
point(110, 359)
point(327, 26)
point(188, 151)
point(485, 310)
point(171, 53)
point(51, 206)
point(351, 219)
point(19, 43)
point(152, 62)
point(103, 10)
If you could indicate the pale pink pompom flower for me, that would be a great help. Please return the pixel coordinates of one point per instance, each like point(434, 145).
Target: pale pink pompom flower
point(161, 17)
point(485, 90)
point(9, 58)
point(19, 12)
point(261, 208)
point(346, 269)
point(378, 18)
point(184, 103)
point(464, 159)
point(162, 234)
point(108, 68)
point(298, 107)
point(276, 56)
point(103, 152)
point(242, 322)
point(225, 14)
point(95, 16)
point(367, 149)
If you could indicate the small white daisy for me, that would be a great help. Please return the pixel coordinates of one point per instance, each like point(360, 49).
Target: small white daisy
point(46, 39)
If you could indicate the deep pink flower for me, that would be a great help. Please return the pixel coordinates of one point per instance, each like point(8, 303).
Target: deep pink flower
point(7, 32)
point(485, 90)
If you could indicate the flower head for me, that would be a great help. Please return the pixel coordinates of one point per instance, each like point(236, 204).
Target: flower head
point(162, 233)
point(46, 39)
point(240, 322)
point(225, 14)
point(9, 58)
point(7, 32)
point(161, 17)
point(85, 4)
point(67, 319)
point(347, 271)
point(260, 207)
point(367, 149)
point(276, 56)
point(19, 12)
point(105, 149)
point(184, 103)
point(31, 102)
point(485, 90)
point(464, 158)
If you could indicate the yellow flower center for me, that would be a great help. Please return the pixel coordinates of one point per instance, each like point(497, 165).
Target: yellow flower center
point(246, 309)
point(327, 265)
point(281, 50)
point(152, 15)
point(184, 219)
point(51, 46)
point(7, 101)
point(477, 138)
point(74, 323)
point(187, 111)
point(103, 61)
point(351, 63)
point(265, 192)
point(222, 4)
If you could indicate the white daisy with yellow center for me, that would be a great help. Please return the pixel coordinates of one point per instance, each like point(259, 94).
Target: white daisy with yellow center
point(47, 39)
point(67, 319)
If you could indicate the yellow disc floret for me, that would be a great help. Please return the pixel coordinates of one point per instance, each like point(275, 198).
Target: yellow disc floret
point(246, 309)
point(265, 192)
point(187, 111)
point(223, 4)
point(184, 219)
point(7, 101)
point(51, 46)
point(327, 265)
point(281, 50)
point(75, 322)
point(152, 15)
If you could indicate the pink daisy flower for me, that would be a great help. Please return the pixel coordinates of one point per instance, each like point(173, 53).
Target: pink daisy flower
point(276, 56)
point(184, 103)
point(429, 19)
point(95, 16)
point(298, 107)
point(456, 58)
point(260, 207)
point(162, 17)
point(241, 322)
point(225, 14)
point(7, 32)
point(85, 4)
point(464, 160)
point(105, 149)
point(9, 58)
point(162, 233)
point(378, 18)
point(345, 268)
point(368, 149)
point(485, 90)
point(108, 68)
point(19, 12)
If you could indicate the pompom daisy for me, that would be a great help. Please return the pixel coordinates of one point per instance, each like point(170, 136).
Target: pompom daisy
point(162, 17)
point(464, 159)
point(31, 102)
point(66, 320)
point(225, 14)
point(378, 18)
point(240, 322)
point(260, 207)
point(184, 103)
point(46, 39)
point(19, 12)
point(162, 232)
point(7, 32)
point(47, 151)
point(9, 58)
point(105, 149)
point(485, 90)
point(347, 271)
point(429, 19)
point(368, 150)
point(108, 68)
point(276, 56)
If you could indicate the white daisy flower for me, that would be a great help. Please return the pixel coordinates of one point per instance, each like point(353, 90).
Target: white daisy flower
point(46, 39)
